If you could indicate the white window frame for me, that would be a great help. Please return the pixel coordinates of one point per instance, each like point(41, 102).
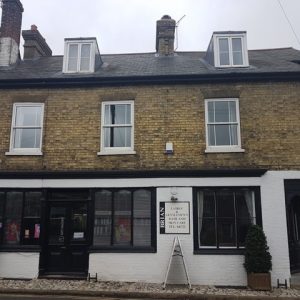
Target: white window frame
point(79, 43)
point(25, 151)
point(224, 148)
point(243, 38)
point(117, 150)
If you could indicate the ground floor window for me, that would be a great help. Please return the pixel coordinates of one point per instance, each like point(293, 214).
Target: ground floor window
point(20, 213)
point(125, 219)
point(222, 216)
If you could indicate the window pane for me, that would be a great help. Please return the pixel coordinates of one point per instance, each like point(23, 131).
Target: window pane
point(233, 134)
point(13, 213)
point(142, 218)
point(27, 138)
point(117, 114)
point(237, 51)
point(32, 205)
point(226, 232)
point(31, 233)
point(57, 225)
point(232, 111)
point(221, 111)
point(224, 51)
point(225, 204)
point(79, 222)
point(73, 57)
point(102, 225)
point(28, 116)
point(243, 226)
point(211, 111)
point(85, 57)
point(121, 137)
point(245, 204)
point(117, 137)
point(122, 114)
point(222, 135)
point(107, 139)
point(107, 115)
point(207, 203)
point(211, 135)
point(207, 232)
point(122, 218)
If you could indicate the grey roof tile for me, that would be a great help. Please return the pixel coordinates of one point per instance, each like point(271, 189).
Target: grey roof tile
point(148, 64)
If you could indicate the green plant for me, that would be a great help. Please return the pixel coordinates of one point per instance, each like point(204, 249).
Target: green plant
point(257, 256)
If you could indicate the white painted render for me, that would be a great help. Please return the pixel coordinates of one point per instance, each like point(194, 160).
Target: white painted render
point(151, 267)
point(9, 51)
point(19, 265)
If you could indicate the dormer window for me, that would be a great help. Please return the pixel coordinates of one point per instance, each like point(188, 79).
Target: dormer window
point(228, 50)
point(81, 55)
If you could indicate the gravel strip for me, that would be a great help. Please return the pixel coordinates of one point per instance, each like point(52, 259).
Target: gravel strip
point(136, 287)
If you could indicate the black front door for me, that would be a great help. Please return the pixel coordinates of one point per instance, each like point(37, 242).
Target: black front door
point(292, 191)
point(65, 249)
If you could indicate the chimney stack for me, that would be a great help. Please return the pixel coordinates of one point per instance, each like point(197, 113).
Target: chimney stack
point(35, 45)
point(165, 36)
point(10, 31)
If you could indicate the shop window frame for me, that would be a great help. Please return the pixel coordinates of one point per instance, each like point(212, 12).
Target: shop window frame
point(21, 246)
point(126, 248)
point(223, 250)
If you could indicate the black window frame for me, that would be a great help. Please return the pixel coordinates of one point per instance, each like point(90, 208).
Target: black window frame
point(131, 248)
point(217, 249)
point(21, 246)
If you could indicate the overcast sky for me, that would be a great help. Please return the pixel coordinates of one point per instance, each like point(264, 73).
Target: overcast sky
point(126, 26)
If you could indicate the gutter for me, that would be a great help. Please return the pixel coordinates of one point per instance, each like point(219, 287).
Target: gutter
point(79, 82)
point(79, 174)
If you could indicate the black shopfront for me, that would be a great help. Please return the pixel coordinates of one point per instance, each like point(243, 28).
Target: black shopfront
point(65, 225)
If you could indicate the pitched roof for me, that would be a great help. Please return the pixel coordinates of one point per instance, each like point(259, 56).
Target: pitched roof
point(149, 65)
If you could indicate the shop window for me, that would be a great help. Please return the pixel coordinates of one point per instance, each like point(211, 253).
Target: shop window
point(223, 216)
point(20, 217)
point(124, 219)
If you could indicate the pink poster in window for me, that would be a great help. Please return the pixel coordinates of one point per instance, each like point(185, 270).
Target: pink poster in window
point(37, 231)
point(13, 232)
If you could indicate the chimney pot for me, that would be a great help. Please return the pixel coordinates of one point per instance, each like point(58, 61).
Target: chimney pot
point(34, 27)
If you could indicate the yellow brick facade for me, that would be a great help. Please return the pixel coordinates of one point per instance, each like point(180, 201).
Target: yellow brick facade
point(269, 114)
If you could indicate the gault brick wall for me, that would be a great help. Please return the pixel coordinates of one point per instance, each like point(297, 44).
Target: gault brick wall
point(269, 113)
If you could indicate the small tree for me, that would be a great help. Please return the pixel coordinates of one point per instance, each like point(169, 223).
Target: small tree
point(257, 256)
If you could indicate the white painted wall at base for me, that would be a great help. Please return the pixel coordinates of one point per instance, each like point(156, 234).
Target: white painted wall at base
point(19, 265)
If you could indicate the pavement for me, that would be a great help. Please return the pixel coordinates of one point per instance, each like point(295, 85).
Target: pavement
point(83, 290)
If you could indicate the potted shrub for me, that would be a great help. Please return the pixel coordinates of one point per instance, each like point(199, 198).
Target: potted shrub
point(258, 260)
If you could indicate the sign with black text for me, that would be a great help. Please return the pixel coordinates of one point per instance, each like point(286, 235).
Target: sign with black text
point(174, 217)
